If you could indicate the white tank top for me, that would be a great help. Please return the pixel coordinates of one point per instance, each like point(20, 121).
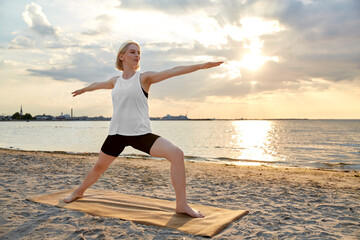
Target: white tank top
point(130, 108)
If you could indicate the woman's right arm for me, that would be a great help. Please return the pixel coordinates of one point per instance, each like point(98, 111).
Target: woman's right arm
point(95, 86)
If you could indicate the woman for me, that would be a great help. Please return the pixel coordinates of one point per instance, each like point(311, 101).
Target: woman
point(130, 123)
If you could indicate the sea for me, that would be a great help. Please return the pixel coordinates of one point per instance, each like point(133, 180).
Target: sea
point(324, 144)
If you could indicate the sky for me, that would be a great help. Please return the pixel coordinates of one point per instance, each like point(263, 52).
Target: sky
point(282, 58)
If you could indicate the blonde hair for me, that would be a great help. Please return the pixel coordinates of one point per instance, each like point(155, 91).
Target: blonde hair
point(122, 50)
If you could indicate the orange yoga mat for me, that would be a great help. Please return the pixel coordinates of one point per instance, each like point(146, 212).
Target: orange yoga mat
point(145, 210)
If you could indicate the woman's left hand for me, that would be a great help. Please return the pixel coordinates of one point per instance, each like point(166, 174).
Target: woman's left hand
point(210, 65)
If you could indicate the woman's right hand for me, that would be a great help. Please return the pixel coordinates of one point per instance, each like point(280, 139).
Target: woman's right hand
point(211, 64)
point(78, 92)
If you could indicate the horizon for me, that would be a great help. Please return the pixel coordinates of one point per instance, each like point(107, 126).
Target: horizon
point(283, 59)
point(190, 118)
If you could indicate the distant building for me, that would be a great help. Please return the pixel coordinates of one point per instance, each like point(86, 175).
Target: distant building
point(170, 117)
point(99, 118)
point(21, 112)
point(5, 118)
point(63, 117)
point(83, 118)
point(44, 117)
point(155, 118)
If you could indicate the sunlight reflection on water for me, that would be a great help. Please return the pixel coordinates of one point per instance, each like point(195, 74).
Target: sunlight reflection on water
point(254, 140)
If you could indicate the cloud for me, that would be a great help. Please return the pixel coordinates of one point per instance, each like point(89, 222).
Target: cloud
point(103, 23)
point(37, 21)
point(302, 39)
point(320, 38)
point(177, 6)
point(83, 67)
point(293, 46)
point(20, 42)
point(5, 64)
point(297, 41)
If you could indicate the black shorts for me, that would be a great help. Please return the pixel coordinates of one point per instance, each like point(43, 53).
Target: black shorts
point(115, 144)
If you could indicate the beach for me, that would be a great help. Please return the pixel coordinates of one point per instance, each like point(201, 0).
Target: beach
point(284, 203)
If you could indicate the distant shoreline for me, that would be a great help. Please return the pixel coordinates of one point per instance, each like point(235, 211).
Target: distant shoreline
point(193, 119)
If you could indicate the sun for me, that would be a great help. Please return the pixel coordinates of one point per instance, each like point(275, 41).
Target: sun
point(253, 29)
point(252, 61)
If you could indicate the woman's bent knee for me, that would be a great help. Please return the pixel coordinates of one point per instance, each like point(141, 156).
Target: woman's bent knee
point(176, 155)
point(179, 153)
point(165, 149)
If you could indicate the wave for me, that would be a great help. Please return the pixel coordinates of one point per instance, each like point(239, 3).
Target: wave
point(234, 160)
point(135, 156)
point(233, 148)
point(329, 164)
point(228, 160)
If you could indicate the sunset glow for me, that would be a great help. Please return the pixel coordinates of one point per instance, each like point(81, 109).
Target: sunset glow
point(280, 61)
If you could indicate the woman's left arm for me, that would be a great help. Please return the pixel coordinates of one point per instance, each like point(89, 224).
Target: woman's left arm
point(155, 77)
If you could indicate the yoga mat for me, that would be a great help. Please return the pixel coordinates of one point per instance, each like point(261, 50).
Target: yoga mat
point(145, 210)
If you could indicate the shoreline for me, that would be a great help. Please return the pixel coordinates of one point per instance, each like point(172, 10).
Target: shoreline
point(208, 165)
point(284, 203)
point(231, 162)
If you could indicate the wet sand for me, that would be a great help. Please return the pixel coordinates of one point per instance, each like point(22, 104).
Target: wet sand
point(284, 203)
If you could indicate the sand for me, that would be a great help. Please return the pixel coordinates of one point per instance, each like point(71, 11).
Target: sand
point(284, 203)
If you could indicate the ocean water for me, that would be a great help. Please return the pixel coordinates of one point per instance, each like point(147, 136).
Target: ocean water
point(329, 144)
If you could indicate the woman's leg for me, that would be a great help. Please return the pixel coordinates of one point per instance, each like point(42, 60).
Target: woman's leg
point(101, 165)
point(165, 149)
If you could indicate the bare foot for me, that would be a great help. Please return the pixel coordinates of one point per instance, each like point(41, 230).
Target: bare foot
point(189, 211)
point(72, 197)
